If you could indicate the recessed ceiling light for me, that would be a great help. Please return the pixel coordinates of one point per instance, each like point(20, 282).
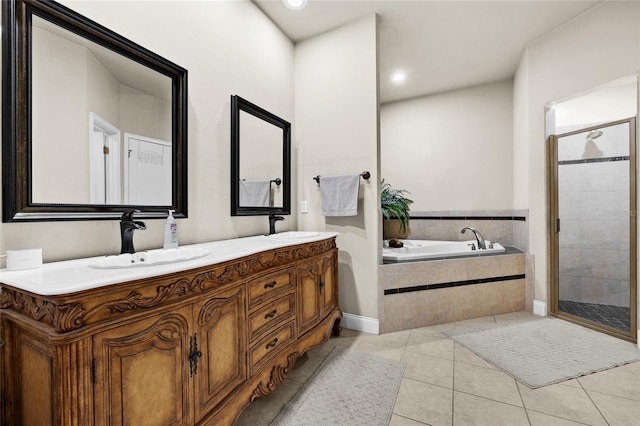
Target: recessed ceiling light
point(295, 4)
point(398, 77)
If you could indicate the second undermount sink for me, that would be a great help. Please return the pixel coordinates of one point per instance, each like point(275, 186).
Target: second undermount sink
point(149, 258)
point(288, 235)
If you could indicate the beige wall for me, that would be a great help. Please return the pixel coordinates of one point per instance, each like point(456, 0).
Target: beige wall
point(237, 50)
point(60, 165)
point(336, 133)
point(597, 47)
point(452, 150)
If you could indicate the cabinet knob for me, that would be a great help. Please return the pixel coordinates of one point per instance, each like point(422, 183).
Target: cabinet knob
point(271, 284)
point(1, 343)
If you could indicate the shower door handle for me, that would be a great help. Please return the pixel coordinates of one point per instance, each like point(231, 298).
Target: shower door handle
point(558, 225)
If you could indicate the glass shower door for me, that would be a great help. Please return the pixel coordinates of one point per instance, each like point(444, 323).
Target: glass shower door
point(594, 238)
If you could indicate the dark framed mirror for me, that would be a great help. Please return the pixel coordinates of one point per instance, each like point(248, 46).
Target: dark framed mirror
point(260, 160)
point(93, 123)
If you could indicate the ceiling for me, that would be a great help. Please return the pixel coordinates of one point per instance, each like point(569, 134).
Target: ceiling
point(440, 45)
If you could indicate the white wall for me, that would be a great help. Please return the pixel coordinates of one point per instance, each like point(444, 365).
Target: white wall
point(597, 47)
point(228, 47)
point(336, 133)
point(452, 150)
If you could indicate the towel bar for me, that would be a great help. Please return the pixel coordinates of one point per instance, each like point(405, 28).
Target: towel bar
point(365, 175)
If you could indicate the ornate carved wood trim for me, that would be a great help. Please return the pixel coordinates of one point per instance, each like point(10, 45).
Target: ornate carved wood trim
point(65, 317)
point(278, 374)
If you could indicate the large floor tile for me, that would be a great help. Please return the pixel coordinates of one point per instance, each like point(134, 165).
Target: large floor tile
point(464, 355)
point(562, 401)
point(541, 419)
point(396, 340)
point(381, 351)
point(475, 323)
point(403, 421)
point(623, 381)
point(428, 369)
point(425, 403)
point(487, 383)
point(431, 345)
point(471, 410)
point(617, 411)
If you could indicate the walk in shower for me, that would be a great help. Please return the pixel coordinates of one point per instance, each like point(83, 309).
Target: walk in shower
point(593, 223)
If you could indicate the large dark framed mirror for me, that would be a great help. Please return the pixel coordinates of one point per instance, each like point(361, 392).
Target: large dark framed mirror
point(92, 123)
point(260, 160)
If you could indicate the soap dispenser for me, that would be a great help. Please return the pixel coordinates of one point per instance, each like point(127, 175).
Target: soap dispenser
point(170, 232)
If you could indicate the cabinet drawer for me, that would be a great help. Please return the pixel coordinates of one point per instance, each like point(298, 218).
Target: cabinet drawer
point(270, 315)
point(270, 345)
point(268, 286)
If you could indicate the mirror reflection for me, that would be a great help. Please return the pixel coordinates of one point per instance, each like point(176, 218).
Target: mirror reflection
point(93, 123)
point(101, 124)
point(260, 160)
point(260, 163)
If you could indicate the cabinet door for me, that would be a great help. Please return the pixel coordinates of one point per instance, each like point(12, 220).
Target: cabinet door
point(221, 331)
point(328, 282)
point(308, 295)
point(142, 372)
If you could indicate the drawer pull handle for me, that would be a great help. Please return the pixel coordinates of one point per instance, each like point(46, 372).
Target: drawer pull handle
point(272, 344)
point(271, 284)
point(271, 314)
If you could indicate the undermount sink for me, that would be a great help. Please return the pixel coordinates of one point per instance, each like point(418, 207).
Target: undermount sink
point(149, 258)
point(288, 235)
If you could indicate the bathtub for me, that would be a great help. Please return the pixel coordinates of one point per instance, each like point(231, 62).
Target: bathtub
point(429, 249)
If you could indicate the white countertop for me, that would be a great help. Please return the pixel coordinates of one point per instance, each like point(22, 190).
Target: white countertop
point(71, 276)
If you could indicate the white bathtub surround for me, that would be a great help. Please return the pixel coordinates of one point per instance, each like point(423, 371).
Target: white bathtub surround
point(428, 249)
point(507, 227)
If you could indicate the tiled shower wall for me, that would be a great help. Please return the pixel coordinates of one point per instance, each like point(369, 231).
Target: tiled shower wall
point(507, 227)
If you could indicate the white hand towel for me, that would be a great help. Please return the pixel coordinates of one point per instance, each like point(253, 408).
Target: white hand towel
point(255, 193)
point(339, 195)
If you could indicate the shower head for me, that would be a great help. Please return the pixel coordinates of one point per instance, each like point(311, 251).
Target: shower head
point(594, 134)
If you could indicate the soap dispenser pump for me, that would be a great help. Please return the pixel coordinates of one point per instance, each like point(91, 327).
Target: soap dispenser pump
point(170, 232)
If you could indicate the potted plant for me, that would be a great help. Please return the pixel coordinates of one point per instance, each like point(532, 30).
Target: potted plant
point(395, 212)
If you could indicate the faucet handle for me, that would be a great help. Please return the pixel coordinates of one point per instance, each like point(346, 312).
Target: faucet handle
point(128, 215)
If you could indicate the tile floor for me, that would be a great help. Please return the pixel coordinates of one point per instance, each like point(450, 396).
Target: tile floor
point(445, 384)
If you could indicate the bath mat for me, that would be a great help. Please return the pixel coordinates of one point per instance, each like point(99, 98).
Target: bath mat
point(349, 388)
point(546, 351)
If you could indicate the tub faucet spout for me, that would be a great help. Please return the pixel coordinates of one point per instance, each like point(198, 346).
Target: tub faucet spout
point(479, 238)
point(127, 226)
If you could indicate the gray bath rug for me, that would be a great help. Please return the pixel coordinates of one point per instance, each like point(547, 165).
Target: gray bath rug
point(547, 351)
point(349, 388)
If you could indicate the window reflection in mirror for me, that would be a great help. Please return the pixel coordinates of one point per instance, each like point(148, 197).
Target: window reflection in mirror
point(260, 160)
point(101, 124)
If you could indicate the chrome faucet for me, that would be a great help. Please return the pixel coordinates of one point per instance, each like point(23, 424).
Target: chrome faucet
point(272, 222)
point(479, 238)
point(127, 226)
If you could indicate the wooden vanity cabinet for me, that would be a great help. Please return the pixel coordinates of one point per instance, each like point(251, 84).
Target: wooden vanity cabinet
point(317, 289)
point(190, 348)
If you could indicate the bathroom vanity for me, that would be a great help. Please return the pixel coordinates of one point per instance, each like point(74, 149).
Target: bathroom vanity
point(190, 343)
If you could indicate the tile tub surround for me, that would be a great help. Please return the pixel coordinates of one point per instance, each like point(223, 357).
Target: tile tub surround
point(450, 290)
point(507, 227)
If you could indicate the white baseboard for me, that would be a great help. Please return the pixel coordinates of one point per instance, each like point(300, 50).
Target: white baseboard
point(539, 308)
point(360, 323)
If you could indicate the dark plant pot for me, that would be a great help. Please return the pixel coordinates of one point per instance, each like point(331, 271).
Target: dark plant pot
point(391, 228)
